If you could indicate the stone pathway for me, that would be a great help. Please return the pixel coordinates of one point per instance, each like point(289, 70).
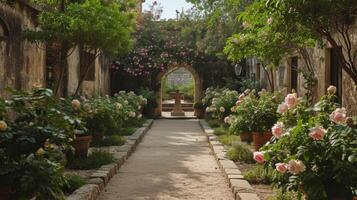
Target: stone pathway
point(173, 162)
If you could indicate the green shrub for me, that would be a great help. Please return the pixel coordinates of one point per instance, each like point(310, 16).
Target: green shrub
point(199, 105)
point(220, 131)
point(73, 183)
point(258, 175)
point(127, 131)
point(114, 140)
point(240, 152)
point(214, 123)
point(95, 160)
point(228, 140)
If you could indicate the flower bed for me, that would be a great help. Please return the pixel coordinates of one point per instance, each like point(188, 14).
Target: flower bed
point(312, 150)
point(38, 130)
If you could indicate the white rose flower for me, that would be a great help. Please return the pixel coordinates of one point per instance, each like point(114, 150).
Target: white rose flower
point(76, 104)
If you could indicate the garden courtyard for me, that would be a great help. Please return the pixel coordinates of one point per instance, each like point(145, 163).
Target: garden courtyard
point(178, 100)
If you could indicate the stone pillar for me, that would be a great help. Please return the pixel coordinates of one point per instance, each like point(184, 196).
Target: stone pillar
point(177, 111)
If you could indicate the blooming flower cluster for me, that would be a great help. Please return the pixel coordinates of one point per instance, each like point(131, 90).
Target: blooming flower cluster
point(308, 141)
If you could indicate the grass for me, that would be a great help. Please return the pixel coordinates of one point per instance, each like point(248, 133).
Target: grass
point(240, 152)
point(229, 140)
point(114, 140)
point(73, 183)
point(258, 175)
point(95, 160)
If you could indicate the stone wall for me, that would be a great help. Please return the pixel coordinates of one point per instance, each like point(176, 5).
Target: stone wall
point(22, 64)
point(321, 60)
point(100, 84)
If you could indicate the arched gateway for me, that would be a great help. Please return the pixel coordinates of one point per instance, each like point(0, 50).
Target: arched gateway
point(198, 89)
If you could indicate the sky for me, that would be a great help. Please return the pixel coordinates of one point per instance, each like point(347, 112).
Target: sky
point(169, 7)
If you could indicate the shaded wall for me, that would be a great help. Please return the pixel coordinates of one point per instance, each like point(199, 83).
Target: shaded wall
point(22, 64)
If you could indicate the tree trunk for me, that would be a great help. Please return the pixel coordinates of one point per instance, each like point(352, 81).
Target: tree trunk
point(81, 79)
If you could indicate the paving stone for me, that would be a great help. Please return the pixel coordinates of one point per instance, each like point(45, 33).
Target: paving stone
point(221, 156)
point(228, 164)
point(112, 168)
point(235, 176)
point(216, 143)
point(125, 148)
point(232, 172)
point(101, 174)
point(209, 132)
point(87, 192)
point(212, 138)
point(130, 142)
point(97, 181)
point(246, 196)
point(242, 186)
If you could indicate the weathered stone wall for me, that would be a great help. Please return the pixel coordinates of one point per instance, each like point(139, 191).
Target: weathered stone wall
point(321, 62)
point(22, 64)
point(100, 85)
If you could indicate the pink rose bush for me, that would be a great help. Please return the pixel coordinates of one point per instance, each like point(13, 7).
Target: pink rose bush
point(317, 150)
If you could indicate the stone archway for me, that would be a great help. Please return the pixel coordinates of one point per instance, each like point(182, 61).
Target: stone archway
point(198, 89)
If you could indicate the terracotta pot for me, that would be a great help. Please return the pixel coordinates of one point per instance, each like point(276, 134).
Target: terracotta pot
point(199, 113)
point(267, 136)
point(245, 137)
point(6, 192)
point(258, 140)
point(81, 145)
point(98, 136)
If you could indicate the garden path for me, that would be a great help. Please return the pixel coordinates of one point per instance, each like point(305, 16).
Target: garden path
point(173, 162)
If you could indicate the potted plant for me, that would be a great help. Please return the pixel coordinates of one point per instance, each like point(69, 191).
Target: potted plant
point(264, 117)
point(240, 126)
point(313, 150)
point(255, 115)
point(199, 109)
point(82, 138)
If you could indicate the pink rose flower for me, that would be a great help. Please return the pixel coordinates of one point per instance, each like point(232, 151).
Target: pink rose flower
point(317, 133)
point(277, 129)
point(338, 116)
point(226, 120)
point(259, 157)
point(296, 166)
point(282, 108)
point(238, 102)
point(281, 167)
point(241, 97)
point(291, 100)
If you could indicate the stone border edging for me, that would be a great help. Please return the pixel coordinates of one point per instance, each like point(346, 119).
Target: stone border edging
point(241, 188)
point(101, 177)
